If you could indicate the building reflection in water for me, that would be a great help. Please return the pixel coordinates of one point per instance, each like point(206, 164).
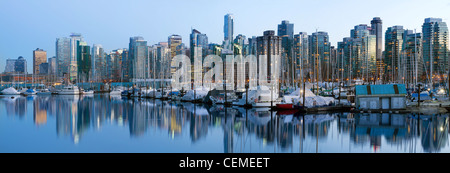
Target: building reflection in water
point(41, 105)
point(251, 130)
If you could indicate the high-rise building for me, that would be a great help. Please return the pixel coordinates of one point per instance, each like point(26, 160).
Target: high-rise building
point(252, 45)
point(62, 56)
point(73, 68)
point(125, 66)
point(52, 65)
point(377, 30)
point(286, 32)
point(174, 41)
point(140, 60)
point(197, 39)
point(98, 63)
point(10, 65)
point(228, 31)
point(319, 50)
point(83, 62)
point(240, 40)
point(270, 46)
point(393, 49)
point(435, 49)
point(39, 57)
point(413, 63)
point(44, 69)
point(20, 66)
point(343, 59)
point(131, 55)
point(301, 56)
point(114, 62)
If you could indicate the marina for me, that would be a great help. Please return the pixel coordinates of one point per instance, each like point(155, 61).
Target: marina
point(111, 123)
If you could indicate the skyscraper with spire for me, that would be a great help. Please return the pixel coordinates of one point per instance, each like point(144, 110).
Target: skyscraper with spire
point(228, 31)
point(377, 30)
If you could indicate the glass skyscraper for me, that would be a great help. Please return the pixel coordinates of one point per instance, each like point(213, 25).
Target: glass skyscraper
point(73, 68)
point(98, 62)
point(132, 56)
point(301, 55)
point(435, 49)
point(83, 61)
point(286, 32)
point(377, 30)
point(228, 31)
point(393, 47)
point(319, 51)
point(62, 56)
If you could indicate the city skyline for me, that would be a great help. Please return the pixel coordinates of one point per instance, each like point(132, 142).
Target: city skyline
point(35, 33)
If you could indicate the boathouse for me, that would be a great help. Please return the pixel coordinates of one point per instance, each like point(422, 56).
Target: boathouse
point(385, 97)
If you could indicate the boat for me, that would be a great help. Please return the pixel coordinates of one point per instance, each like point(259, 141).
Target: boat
point(196, 95)
point(10, 91)
point(116, 91)
point(88, 92)
point(285, 106)
point(23, 90)
point(424, 95)
point(260, 96)
point(125, 93)
point(44, 92)
point(30, 92)
point(69, 90)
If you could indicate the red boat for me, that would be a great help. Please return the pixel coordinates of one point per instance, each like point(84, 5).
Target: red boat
point(285, 106)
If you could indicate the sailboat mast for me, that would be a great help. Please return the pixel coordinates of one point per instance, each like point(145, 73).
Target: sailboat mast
point(431, 61)
point(317, 61)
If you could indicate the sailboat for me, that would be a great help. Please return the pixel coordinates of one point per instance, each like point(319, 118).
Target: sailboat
point(10, 91)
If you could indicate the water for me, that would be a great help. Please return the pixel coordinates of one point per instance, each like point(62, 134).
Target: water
point(101, 123)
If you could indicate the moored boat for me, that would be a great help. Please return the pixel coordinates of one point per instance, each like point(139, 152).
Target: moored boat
point(69, 90)
point(10, 91)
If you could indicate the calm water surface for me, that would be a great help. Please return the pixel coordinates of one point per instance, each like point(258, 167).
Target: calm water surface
point(101, 123)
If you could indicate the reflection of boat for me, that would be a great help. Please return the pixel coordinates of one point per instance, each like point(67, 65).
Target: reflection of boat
point(69, 90)
point(196, 109)
point(287, 112)
point(285, 106)
point(10, 91)
point(220, 98)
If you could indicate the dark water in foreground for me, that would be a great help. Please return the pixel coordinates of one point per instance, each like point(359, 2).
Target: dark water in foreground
point(102, 123)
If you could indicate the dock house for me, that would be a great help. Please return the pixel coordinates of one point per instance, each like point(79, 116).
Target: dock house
point(380, 97)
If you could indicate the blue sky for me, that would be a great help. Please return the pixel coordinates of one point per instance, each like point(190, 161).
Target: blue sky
point(29, 24)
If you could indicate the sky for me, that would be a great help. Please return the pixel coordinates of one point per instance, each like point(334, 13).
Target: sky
point(29, 24)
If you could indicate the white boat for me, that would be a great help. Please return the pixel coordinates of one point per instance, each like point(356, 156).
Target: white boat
point(10, 91)
point(23, 90)
point(116, 91)
point(69, 90)
point(88, 92)
point(199, 94)
point(44, 92)
point(261, 96)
